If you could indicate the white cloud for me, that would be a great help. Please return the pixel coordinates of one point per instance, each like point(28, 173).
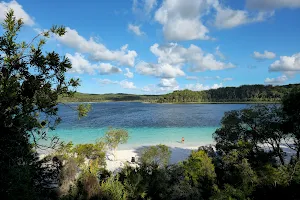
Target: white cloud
point(181, 19)
point(200, 87)
point(287, 64)
point(191, 78)
point(135, 29)
point(210, 78)
point(272, 4)
point(159, 70)
point(275, 81)
point(216, 86)
point(127, 84)
point(18, 11)
point(156, 89)
point(97, 51)
point(124, 83)
point(263, 56)
point(196, 87)
point(219, 53)
point(80, 65)
point(169, 83)
point(193, 56)
point(106, 81)
point(107, 68)
point(128, 74)
point(228, 18)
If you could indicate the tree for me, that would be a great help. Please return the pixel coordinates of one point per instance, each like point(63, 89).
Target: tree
point(112, 189)
point(158, 155)
point(199, 171)
point(291, 109)
point(30, 83)
point(114, 137)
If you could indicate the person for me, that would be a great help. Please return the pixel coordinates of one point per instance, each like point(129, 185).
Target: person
point(182, 140)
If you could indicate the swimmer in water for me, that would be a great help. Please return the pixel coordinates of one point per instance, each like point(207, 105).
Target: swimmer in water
point(182, 140)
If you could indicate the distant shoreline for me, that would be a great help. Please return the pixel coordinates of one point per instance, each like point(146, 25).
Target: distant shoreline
point(242, 102)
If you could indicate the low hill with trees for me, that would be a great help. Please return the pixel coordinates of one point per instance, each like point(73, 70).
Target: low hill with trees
point(244, 93)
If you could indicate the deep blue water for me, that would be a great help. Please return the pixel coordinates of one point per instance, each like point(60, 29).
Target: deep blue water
point(146, 123)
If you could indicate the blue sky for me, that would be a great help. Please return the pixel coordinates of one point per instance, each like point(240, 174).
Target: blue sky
point(157, 46)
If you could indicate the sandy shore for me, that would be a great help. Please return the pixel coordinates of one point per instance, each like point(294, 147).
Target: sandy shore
point(124, 157)
point(179, 152)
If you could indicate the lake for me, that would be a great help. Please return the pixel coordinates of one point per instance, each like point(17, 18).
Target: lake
point(147, 124)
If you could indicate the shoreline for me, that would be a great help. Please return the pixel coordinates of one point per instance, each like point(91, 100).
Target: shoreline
point(179, 152)
point(147, 102)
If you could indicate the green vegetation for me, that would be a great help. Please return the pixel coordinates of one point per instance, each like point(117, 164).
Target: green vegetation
point(244, 93)
point(80, 97)
point(156, 155)
point(30, 82)
point(114, 137)
point(249, 161)
point(256, 156)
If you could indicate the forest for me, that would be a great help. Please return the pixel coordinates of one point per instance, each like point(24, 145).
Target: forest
point(244, 93)
point(256, 153)
point(81, 97)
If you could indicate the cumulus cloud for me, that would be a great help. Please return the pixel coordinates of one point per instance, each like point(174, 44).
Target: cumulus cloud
point(263, 56)
point(97, 51)
point(80, 65)
point(18, 11)
point(106, 81)
point(135, 29)
point(193, 56)
point(275, 81)
point(172, 57)
point(191, 78)
point(128, 73)
point(127, 84)
point(272, 4)
point(229, 18)
point(107, 68)
point(163, 70)
point(200, 87)
point(168, 83)
point(287, 64)
point(181, 20)
point(124, 83)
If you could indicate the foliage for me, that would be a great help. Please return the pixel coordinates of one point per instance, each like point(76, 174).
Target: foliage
point(112, 189)
point(244, 93)
point(81, 97)
point(198, 166)
point(114, 137)
point(158, 155)
point(30, 82)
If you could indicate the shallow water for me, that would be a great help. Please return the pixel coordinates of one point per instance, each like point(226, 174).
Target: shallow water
point(147, 123)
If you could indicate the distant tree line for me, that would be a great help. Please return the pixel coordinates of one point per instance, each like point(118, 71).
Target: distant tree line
point(244, 93)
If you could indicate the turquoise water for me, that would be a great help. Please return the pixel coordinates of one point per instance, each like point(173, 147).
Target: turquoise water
point(194, 136)
point(147, 124)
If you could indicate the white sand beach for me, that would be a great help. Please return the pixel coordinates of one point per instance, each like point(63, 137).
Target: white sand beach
point(124, 157)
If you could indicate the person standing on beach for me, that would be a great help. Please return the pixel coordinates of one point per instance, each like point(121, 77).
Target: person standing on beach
point(182, 140)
